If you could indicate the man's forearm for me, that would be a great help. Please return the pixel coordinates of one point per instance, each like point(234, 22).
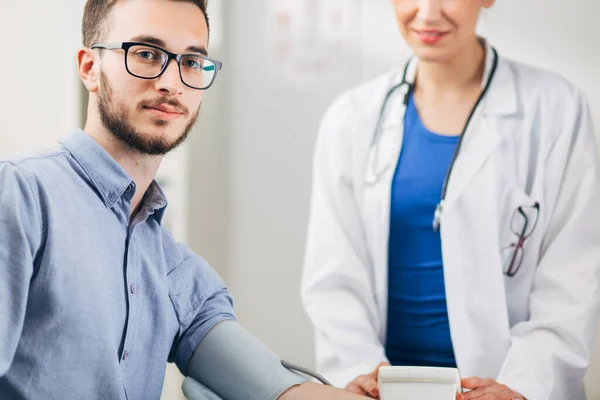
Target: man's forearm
point(318, 392)
point(234, 365)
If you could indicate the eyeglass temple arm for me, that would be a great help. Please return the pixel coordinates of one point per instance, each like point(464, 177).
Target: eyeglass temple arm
point(108, 46)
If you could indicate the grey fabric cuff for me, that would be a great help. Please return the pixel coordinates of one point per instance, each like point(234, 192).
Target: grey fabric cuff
point(231, 364)
point(196, 391)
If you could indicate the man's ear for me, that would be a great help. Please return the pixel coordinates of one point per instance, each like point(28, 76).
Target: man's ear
point(88, 63)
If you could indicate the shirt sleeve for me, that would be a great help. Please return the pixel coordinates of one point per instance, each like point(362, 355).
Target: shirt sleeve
point(20, 241)
point(201, 301)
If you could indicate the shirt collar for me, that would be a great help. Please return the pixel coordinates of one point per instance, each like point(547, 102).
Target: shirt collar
point(108, 177)
point(156, 200)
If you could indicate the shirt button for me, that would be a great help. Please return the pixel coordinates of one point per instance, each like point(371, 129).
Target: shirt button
point(125, 355)
point(133, 289)
point(129, 188)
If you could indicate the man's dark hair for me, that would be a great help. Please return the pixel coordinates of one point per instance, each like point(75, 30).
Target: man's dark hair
point(96, 12)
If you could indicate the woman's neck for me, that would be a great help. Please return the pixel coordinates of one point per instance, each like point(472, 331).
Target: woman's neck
point(462, 72)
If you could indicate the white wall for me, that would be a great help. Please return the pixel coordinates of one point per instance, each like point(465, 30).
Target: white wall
point(272, 130)
point(40, 87)
point(272, 126)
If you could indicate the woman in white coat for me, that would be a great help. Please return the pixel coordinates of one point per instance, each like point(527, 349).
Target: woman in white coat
point(455, 219)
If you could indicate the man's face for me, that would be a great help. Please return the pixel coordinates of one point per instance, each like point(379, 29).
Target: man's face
point(152, 116)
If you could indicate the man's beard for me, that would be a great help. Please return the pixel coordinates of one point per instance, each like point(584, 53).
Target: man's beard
point(114, 117)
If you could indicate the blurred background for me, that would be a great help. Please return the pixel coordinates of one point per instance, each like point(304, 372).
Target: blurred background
point(239, 189)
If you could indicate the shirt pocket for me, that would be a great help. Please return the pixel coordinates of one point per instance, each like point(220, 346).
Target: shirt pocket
point(186, 289)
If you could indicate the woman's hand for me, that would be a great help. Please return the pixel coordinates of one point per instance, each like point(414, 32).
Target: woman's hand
point(367, 384)
point(487, 389)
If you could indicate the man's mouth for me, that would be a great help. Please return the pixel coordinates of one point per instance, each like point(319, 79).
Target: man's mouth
point(165, 112)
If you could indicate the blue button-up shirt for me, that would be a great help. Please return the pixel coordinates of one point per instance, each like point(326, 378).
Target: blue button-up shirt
point(92, 306)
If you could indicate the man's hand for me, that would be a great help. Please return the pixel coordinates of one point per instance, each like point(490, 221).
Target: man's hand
point(487, 389)
point(311, 391)
point(366, 385)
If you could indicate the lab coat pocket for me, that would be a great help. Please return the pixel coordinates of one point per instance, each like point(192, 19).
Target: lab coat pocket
point(518, 232)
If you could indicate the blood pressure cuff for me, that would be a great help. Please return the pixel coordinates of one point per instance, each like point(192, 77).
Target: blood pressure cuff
point(196, 391)
point(231, 364)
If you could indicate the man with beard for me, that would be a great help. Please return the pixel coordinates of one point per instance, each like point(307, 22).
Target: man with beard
point(95, 295)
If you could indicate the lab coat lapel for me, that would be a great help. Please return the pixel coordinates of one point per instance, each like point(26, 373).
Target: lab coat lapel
point(484, 134)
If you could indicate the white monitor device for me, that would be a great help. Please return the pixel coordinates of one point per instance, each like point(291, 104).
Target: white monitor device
point(400, 383)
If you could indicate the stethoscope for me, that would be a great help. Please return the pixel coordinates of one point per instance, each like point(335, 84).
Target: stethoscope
point(406, 87)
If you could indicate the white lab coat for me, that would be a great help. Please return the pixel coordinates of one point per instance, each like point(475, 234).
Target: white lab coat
point(531, 140)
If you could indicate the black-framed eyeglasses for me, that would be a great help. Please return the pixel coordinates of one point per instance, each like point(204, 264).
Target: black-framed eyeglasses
point(522, 224)
point(147, 61)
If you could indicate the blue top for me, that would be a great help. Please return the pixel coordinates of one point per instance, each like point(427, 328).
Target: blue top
point(91, 305)
point(418, 332)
